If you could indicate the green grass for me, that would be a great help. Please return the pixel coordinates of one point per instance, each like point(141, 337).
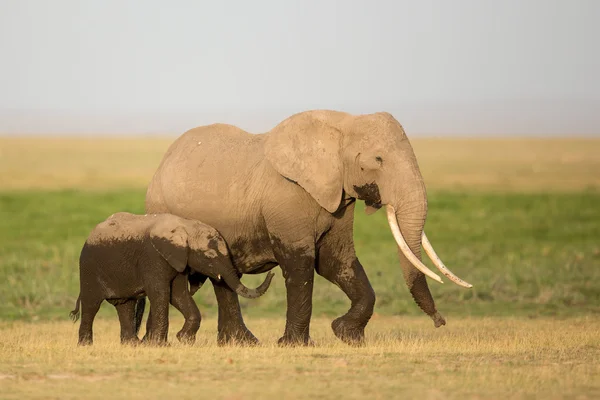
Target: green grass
point(526, 254)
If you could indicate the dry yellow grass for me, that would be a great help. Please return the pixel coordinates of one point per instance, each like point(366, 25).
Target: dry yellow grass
point(405, 357)
point(87, 163)
point(510, 164)
point(481, 164)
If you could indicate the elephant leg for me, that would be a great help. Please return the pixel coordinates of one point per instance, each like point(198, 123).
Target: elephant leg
point(352, 279)
point(89, 309)
point(231, 326)
point(337, 262)
point(126, 312)
point(297, 265)
point(182, 300)
point(159, 311)
point(148, 326)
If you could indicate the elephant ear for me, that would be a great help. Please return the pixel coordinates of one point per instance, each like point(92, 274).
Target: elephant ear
point(306, 150)
point(171, 242)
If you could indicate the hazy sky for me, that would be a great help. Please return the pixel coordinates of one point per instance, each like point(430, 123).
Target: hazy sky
point(441, 67)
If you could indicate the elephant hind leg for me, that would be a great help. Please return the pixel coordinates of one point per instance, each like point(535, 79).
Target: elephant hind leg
point(127, 315)
point(89, 309)
point(158, 318)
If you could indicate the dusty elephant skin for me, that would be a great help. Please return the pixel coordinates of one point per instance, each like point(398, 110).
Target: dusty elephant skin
point(287, 198)
point(129, 256)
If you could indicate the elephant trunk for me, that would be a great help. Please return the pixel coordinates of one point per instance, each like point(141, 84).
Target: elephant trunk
point(233, 281)
point(406, 222)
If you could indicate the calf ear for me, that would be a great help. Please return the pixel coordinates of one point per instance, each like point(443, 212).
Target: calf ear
point(171, 242)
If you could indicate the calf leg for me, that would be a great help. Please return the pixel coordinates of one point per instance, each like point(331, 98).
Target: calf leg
point(126, 312)
point(183, 301)
point(158, 320)
point(89, 309)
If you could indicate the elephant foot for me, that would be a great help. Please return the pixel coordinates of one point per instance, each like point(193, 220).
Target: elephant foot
point(295, 341)
point(348, 332)
point(150, 343)
point(134, 341)
point(438, 320)
point(85, 342)
point(154, 342)
point(239, 337)
point(186, 337)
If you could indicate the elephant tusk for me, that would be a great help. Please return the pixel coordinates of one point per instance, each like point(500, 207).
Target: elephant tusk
point(391, 216)
point(439, 264)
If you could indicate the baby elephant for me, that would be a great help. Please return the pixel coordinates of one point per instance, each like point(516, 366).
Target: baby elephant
point(130, 256)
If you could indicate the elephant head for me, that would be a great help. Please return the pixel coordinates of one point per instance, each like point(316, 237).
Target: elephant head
point(334, 154)
point(203, 250)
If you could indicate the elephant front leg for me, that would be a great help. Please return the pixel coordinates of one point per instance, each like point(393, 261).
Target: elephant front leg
point(337, 262)
point(352, 279)
point(182, 300)
point(231, 326)
point(297, 266)
point(158, 318)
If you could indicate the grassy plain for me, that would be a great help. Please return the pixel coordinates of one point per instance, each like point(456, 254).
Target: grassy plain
point(518, 218)
point(405, 357)
point(495, 164)
point(534, 254)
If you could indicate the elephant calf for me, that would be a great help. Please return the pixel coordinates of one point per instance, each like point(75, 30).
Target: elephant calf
point(131, 256)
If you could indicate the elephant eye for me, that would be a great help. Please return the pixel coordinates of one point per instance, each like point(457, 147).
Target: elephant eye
point(379, 160)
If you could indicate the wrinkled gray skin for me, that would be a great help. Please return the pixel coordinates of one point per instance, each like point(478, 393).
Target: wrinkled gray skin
point(129, 256)
point(287, 198)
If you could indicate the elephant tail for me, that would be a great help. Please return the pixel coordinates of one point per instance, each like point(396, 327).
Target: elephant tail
point(140, 305)
point(74, 315)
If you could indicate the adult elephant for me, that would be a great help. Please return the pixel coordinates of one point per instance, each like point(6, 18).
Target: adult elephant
point(287, 198)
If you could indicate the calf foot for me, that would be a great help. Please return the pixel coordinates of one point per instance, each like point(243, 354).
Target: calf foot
point(186, 337)
point(348, 331)
point(134, 341)
point(154, 342)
